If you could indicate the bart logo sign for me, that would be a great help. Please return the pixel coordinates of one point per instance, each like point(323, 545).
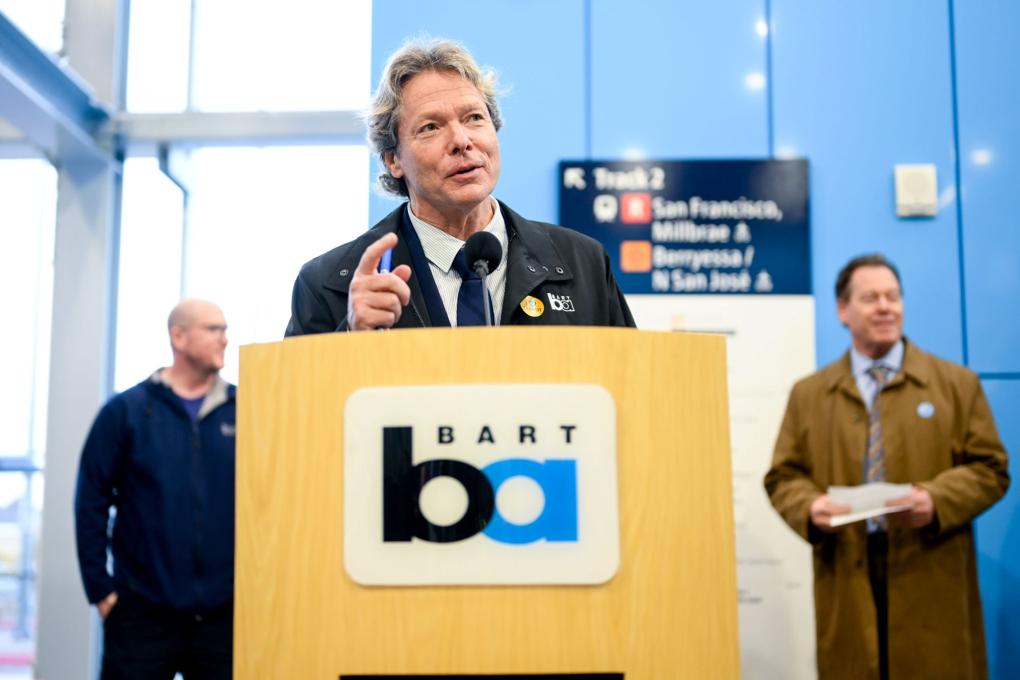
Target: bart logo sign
point(469, 484)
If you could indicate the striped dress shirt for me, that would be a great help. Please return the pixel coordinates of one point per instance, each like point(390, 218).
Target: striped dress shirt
point(440, 249)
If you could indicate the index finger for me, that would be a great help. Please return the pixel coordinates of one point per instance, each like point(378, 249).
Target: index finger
point(369, 262)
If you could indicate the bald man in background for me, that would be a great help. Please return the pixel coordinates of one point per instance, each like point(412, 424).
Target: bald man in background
point(162, 454)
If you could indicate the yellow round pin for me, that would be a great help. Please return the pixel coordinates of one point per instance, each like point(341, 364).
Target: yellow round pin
point(532, 306)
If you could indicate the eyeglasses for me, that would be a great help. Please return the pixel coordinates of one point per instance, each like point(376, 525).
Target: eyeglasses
point(218, 329)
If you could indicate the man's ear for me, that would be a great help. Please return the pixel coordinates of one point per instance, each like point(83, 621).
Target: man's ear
point(393, 164)
point(177, 337)
point(841, 311)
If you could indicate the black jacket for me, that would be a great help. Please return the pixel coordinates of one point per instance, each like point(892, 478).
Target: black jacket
point(544, 260)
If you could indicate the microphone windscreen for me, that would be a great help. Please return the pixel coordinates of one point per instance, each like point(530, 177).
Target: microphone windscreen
point(483, 247)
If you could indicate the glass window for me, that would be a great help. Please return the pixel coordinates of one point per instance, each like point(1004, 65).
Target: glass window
point(149, 285)
point(28, 189)
point(302, 55)
point(255, 215)
point(41, 20)
point(159, 47)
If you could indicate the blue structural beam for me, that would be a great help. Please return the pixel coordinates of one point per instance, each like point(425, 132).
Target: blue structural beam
point(50, 105)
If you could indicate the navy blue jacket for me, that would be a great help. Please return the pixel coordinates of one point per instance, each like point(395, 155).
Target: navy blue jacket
point(171, 481)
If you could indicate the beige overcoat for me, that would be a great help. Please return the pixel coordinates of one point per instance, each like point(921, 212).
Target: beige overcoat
point(939, 434)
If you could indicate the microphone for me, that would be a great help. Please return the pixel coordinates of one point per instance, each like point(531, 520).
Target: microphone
point(483, 252)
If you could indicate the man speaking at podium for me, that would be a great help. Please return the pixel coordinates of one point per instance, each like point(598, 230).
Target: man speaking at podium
point(433, 123)
point(896, 595)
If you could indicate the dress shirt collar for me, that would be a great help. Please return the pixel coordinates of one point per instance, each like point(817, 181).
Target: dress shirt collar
point(893, 360)
point(440, 247)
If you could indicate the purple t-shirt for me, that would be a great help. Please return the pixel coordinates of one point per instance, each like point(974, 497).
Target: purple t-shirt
point(192, 406)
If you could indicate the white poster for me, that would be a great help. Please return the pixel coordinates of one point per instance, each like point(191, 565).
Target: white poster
point(770, 344)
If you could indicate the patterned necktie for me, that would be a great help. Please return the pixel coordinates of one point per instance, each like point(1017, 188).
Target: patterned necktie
point(470, 311)
point(874, 464)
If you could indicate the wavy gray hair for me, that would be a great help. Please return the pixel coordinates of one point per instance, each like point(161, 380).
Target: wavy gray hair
point(414, 57)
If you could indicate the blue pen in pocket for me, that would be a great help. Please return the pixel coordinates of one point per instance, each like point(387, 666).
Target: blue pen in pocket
point(386, 262)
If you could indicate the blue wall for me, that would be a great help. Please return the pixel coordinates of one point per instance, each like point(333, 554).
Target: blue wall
point(998, 536)
point(988, 105)
point(855, 87)
point(986, 61)
point(538, 49)
point(651, 93)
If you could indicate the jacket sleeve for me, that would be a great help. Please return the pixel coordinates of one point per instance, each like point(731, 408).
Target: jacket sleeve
point(619, 312)
point(979, 476)
point(101, 460)
point(789, 483)
point(309, 311)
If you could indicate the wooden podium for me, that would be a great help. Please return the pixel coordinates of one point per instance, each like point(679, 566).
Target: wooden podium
point(669, 612)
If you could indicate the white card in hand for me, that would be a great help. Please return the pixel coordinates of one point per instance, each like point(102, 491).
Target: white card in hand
point(866, 500)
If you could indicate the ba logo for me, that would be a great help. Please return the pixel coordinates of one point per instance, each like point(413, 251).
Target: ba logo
point(560, 303)
point(403, 481)
point(480, 484)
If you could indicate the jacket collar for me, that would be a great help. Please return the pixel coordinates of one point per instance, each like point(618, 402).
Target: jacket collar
point(220, 393)
point(839, 374)
point(916, 366)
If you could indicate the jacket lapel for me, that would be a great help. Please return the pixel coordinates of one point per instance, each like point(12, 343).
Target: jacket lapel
point(532, 259)
point(841, 378)
point(416, 314)
point(915, 368)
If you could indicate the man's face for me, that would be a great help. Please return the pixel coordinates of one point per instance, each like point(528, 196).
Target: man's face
point(873, 310)
point(203, 339)
point(447, 152)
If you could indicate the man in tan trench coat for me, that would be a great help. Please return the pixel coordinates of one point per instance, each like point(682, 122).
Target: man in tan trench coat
point(898, 597)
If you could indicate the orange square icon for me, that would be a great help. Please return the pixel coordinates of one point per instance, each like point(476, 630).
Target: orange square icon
point(636, 256)
point(636, 208)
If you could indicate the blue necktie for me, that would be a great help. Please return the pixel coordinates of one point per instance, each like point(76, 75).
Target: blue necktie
point(470, 311)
